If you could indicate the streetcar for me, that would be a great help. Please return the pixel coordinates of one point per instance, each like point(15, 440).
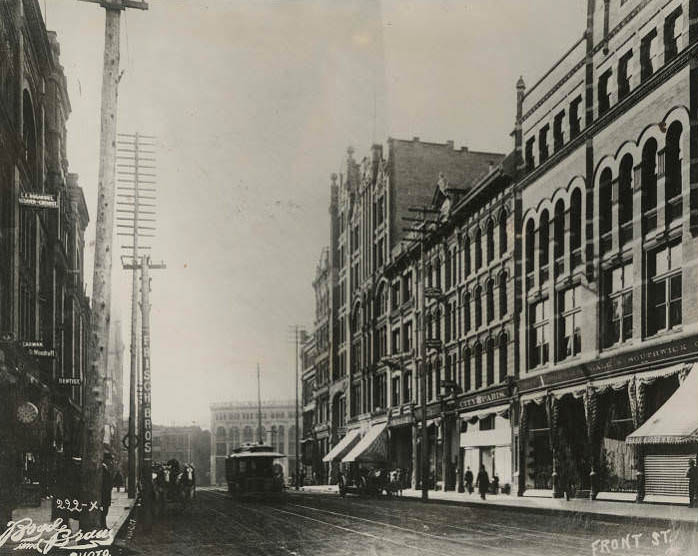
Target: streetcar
point(253, 471)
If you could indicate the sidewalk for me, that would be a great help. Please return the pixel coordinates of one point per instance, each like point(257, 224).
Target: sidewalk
point(118, 514)
point(546, 504)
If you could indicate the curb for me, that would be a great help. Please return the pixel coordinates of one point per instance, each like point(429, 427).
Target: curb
point(122, 520)
point(541, 510)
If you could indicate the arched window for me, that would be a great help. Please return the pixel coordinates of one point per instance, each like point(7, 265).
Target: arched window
point(672, 164)
point(502, 294)
point(29, 132)
point(467, 370)
point(235, 437)
point(530, 252)
point(576, 229)
point(502, 233)
point(221, 434)
point(478, 365)
point(478, 249)
point(605, 208)
point(543, 247)
point(490, 241)
point(490, 300)
point(430, 382)
point(247, 434)
point(466, 254)
point(503, 357)
point(381, 300)
point(466, 312)
point(648, 181)
point(490, 361)
point(478, 306)
point(559, 237)
point(282, 439)
point(625, 200)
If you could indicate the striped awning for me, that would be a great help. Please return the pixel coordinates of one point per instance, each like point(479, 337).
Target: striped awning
point(343, 446)
point(372, 448)
point(675, 422)
point(500, 410)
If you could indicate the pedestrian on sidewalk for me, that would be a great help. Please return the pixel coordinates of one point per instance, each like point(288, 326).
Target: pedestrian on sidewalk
point(469, 480)
point(692, 476)
point(107, 485)
point(483, 482)
point(118, 480)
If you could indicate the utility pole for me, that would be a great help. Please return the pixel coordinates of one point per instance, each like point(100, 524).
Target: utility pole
point(299, 335)
point(135, 219)
point(259, 408)
point(422, 231)
point(93, 432)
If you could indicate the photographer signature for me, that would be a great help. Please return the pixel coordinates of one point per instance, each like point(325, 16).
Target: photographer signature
point(54, 534)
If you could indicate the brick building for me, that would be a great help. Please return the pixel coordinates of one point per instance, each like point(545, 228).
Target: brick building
point(560, 309)
point(187, 445)
point(44, 312)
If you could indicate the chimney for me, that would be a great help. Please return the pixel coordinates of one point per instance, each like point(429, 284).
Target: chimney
point(449, 143)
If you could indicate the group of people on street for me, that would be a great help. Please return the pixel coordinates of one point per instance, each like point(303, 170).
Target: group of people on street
point(482, 482)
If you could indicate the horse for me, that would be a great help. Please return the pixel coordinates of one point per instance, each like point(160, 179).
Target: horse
point(395, 482)
point(187, 483)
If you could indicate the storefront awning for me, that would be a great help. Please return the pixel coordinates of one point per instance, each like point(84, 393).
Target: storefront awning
point(675, 422)
point(482, 413)
point(372, 448)
point(343, 446)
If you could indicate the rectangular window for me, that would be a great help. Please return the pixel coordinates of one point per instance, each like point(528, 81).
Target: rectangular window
point(529, 154)
point(569, 323)
point(575, 120)
point(624, 75)
point(395, 395)
point(558, 134)
point(543, 143)
point(618, 284)
point(487, 423)
point(396, 341)
point(603, 92)
point(539, 350)
point(664, 310)
point(647, 55)
point(672, 32)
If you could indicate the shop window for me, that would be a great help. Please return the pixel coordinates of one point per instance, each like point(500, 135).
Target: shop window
point(530, 253)
point(575, 119)
point(502, 233)
point(559, 238)
point(672, 157)
point(648, 179)
point(543, 248)
point(646, 55)
point(502, 294)
point(558, 134)
point(664, 283)
point(503, 357)
point(539, 348)
point(624, 75)
point(490, 300)
point(530, 163)
point(576, 229)
point(490, 362)
point(543, 143)
point(569, 323)
point(478, 365)
point(604, 94)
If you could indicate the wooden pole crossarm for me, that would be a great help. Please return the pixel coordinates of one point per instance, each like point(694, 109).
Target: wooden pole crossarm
point(119, 4)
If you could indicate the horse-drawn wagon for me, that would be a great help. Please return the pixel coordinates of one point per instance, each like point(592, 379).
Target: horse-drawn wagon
point(173, 485)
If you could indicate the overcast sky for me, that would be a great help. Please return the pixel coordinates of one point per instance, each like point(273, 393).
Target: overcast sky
point(254, 104)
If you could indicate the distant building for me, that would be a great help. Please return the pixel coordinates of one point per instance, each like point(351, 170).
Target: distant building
point(113, 428)
point(186, 445)
point(233, 423)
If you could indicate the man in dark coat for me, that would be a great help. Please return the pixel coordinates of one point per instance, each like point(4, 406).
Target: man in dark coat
point(692, 476)
point(469, 480)
point(106, 487)
point(483, 482)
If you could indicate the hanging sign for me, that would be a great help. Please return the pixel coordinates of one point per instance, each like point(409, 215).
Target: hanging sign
point(38, 200)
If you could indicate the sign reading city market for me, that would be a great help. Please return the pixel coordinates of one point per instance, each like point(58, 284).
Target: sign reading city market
point(38, 200)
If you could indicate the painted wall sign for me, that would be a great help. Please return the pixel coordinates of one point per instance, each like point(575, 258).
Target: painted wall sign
point(483, 399)
point(38, 200)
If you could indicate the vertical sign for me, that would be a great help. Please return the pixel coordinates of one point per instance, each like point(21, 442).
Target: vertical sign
point(146, 470)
